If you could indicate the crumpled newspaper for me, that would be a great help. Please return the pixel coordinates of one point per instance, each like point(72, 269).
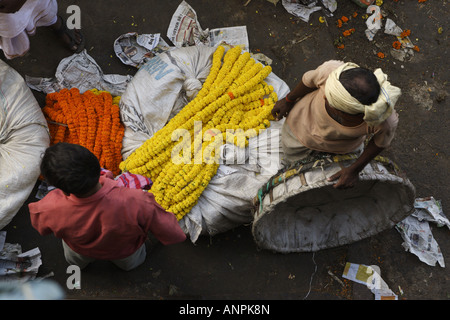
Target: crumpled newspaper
point(406, 51)
point(416, 232)
point(371, 277)
point(304, 8)
point(80, 71)
point(16, 266)
point(136, 49)
point(185, 30)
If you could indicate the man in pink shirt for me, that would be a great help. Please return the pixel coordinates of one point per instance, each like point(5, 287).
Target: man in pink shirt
point(96, 218)
point(333, 109)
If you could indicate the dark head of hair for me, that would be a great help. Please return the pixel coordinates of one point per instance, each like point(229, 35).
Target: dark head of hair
point(71, 168)
point(362, 84)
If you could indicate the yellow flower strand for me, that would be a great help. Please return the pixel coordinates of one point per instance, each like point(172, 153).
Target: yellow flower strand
point(234, 97)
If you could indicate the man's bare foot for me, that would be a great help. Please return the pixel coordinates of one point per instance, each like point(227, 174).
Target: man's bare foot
point(72, 38)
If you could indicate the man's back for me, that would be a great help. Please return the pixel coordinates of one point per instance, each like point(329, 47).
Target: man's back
point(111, 224)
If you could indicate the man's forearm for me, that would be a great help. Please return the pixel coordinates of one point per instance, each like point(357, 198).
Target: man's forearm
point(299, 91)
point(369, 153)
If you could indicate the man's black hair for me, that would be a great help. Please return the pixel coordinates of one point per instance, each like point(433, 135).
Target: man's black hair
point(71, 168)
point(362, 84)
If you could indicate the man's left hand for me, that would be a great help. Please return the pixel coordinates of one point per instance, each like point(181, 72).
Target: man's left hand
point(347, 178)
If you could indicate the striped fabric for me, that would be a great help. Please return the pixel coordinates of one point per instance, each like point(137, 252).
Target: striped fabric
point(130, 180)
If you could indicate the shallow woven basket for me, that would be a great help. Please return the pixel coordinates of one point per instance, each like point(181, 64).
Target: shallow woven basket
point(298, 210)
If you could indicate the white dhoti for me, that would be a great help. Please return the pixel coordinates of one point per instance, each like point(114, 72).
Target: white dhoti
point(16, 27)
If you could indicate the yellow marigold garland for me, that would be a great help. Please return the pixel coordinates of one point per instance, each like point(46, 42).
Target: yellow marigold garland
point(91, 119)
point(235, 97)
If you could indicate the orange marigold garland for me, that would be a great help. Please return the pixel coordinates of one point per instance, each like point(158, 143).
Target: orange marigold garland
point(91, 119)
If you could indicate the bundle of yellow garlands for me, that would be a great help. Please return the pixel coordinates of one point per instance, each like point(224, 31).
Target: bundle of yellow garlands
point(91, 119)
point(234, 98)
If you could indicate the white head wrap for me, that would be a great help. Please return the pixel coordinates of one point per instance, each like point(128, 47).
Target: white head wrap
point(374, 114)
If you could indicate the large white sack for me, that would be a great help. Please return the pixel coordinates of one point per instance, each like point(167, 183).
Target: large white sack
point(163, 86)
point(23, 139)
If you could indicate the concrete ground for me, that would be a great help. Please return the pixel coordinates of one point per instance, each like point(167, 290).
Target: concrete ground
point(229, 265)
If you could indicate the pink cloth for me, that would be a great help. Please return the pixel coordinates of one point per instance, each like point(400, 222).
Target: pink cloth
point(129, 180)
point(111, 224)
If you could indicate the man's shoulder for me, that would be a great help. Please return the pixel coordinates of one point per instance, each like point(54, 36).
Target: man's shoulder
point(124, 194)
point(54, 202)
point(331, 64)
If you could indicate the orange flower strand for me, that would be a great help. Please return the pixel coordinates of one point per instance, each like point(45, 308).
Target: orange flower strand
point(70, 121)
point(80, 111)
point(105, 159)
point(88, 119)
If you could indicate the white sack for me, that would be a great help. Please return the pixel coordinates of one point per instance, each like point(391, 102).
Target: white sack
point(161, 88)
point(23, 139)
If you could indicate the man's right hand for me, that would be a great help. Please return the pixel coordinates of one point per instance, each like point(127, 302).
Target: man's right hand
point(281, 109)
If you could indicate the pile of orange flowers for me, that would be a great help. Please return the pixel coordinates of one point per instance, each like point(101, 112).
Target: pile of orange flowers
point(91, 119)
point(340, 23)
point(348, 32)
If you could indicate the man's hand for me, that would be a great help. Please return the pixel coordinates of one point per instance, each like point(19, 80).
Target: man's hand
point(283, 106)
point(347, 178)
point(281, 109)
point(11, 6)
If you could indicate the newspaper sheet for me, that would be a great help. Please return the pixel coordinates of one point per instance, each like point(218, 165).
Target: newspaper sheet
point(234, 36)
point(15, 265)
point(304, 8)
point(185, 30)
point(81, 71)
point(416, 232)
point(299, 10)
point(406, 51)
point(371, 277)
point(430, 209)
point(136, 49)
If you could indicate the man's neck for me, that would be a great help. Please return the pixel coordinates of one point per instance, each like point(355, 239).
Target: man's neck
point(345, 119)
point(91, 192)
